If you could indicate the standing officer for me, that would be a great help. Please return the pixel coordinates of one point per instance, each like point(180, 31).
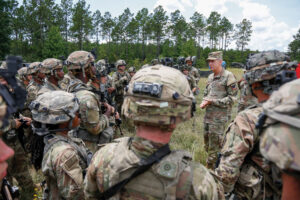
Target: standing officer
point(219, 93)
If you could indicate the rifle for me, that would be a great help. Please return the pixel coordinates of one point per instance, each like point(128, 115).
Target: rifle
point(9, 192)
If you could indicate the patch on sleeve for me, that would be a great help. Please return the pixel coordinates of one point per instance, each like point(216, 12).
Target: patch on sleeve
point(168, 169)
point(71, 162)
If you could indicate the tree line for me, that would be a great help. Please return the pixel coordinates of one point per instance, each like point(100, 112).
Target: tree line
point(39, 29)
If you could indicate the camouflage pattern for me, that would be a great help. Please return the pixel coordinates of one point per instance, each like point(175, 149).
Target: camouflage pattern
point(50, 64)
point(33, 67)
point(3, 65)
point(192, 81)
point(63, 170)
point(3, 108)
point(120, 81)
point(54, 107)
point(131, 69)
point(120, 62)
point(174, 104)
point(22, 72)
point(155, 61)
point(217, 55)
point(32, 92)
point(246, 98)
point(280, 142)
point(63, 84)
point(174, 177)
point(47, 87)
point(92, 121)
point(241, 172)
point(195, 73)
point(101, 63)
point(80, 60)
point(221, 91)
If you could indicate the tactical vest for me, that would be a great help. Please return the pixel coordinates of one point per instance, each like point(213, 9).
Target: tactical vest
point(84, 154)
point(159, 182)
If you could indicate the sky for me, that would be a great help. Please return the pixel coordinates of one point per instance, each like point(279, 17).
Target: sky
point(274, 22)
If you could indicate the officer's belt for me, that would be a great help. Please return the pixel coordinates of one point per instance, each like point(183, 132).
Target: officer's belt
point(86, 136)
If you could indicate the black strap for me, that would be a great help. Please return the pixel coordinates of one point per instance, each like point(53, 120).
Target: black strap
point(145, 164)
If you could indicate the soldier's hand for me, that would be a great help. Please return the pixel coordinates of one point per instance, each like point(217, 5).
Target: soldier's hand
point(18, 123)
point(117, 115)
point(28, 120)
point(109, 109)
point(110, 90)
point(205, 103)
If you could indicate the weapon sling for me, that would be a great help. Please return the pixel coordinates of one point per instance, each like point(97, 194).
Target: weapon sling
point(145, 164)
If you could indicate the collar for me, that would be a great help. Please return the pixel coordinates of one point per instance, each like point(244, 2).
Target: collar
point(142, 147)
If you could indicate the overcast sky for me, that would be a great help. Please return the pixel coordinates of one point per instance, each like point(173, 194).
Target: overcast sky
point(274, 21)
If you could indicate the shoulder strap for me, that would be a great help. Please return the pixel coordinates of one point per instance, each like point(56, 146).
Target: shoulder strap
point(144, 165)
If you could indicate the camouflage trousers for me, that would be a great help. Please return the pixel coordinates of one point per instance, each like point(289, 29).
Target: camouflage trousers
point(119, 101)
point(19, 168)
point(213, 138)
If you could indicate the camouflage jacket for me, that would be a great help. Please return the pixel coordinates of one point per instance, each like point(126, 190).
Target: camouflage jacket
point(63, 169)
point(221, 91)
point(195, 73)
point(192, 81)
point(63, 84)
point(32, 91)
point(241, 168)
point(118, 83)
point(89, 108)
point(175, 176)
point(246, 98)
point(108, 97)
point(47, 87)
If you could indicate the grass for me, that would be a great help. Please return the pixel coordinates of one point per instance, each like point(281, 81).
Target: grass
point(186, 136)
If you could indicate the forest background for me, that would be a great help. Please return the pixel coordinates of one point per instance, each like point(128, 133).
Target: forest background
point(40, 29)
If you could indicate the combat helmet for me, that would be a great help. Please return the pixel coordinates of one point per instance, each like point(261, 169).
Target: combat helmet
point(189, 58)
point(100, 63)
point(280, 142)
point(158, 95)
point(22, 72)
point(51, 108)
point(80, 60)
point(120, 63)
point(155, 61)
point(33, 68)
point(50, 64)
point(131, 70)
point(269, 68)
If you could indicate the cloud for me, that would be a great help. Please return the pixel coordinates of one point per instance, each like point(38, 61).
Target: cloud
point(268, 32)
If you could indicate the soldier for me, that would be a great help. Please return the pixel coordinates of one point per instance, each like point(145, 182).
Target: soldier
point(120, 80)
point(246, 97)
point(143, 167)
point(191, 80)
point(241, 168)
point(25, 80)
point(155, 61)
point(131, 71)
point(193, 70)
point(219, 93)
point(93, 122)
point(62, 160)
point(36, 83)
point(53, 70)
point(280, 142)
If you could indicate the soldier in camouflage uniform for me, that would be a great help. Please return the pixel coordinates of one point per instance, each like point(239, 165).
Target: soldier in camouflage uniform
point(246, 97)
point(131, 71)
point(280, 141)
point(23, 77)
point(241, 168)
point(120, 78)
point(193, 70)
point(53, 69)
point(36, 82)
point(219, 93)
point(155, 112)
point(93, 122)
point(191, 80)
point(63, 160)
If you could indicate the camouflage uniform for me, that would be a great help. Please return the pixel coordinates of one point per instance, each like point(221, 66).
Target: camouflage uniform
point(175, 176)
point(64, 159)
point(193, 70)
point(242, 169)
point(221, 91)
point(63, 84)
point(119, 83)
point(280, 141)
point(33, 87)
point(48, 67)
point(92, 121)
point(246, 97)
